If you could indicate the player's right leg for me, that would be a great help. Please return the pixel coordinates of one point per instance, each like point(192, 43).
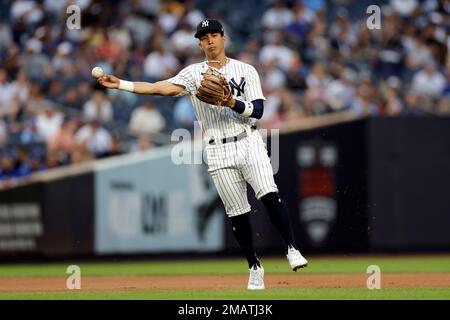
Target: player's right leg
point(232, 189)
point(243, 233)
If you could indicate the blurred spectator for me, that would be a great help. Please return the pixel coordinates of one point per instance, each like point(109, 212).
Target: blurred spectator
point(95, 138)
point(37, 102)
point(272, 104)
point(108, 49)
point(250, 53)
point(184, 115)
point(56, 7)
point(71, 99)
point(146, 119)
point(120, 36)
point(36, 164)
point(310, 108)
point(340, 92)
point(22, 166)
point(98, 108)
point(443, 107)
point(296, 75)
point(3, 133)
point(62, 58)
point(318, 81)
point(446, 90)
point(278, 16)
point(160, 64)
point(183, 43)
point(342, 33)
point(29, 133)
point(404, 7)
point(115, 149)
point(412, 105)
point(52, 159)
point(276, 51)
point(5, 35)
point(273, 77)
point(7, 93)
point(364, 103)
point(428, 81)
point(392, 105)
point(169, 15)
point(193, 15)
point(48, 123)
point(80, 154)
point(143, 143)
point(6, 167)
point(287, 111)
point(301, 23)
point(56, 92)
point(63, 141)
point(390, 57)
point(29, 11)
point(307, 56)
point(21, 87)
point(315, 5)
point(417, 53)
point(140, 26)
point(34, 62)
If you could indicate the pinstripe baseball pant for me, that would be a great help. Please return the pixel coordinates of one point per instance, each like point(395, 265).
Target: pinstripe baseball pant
point(233, 164)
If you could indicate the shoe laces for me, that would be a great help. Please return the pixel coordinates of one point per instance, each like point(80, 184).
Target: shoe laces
point(291, 249)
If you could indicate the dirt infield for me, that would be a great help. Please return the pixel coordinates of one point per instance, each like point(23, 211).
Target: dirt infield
point(149, 283)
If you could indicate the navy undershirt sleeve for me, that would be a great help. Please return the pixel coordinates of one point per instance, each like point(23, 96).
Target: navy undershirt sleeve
point(258, 108)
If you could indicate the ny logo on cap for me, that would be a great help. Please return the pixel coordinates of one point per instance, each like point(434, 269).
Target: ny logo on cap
point(205, 23)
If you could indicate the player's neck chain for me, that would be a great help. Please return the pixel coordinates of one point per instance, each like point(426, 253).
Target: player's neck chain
point(219, 62)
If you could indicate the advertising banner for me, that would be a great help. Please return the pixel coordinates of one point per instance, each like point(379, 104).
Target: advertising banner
point(150, 204)
point(21, 220)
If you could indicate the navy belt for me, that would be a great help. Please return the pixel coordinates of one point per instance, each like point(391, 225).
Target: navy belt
point(240, 136)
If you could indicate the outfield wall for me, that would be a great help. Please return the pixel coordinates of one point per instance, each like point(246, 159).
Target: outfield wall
point(365, 185)
point(371, 185)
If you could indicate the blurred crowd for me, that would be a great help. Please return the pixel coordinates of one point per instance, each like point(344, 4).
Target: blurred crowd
point(314, 57)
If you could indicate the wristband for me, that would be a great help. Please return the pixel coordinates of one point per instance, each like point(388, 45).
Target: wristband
point(248, 109)
point(245, 108)
point(252, 109)
point(126, 85)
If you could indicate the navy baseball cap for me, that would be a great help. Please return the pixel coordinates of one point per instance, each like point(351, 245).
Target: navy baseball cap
point(208, 25)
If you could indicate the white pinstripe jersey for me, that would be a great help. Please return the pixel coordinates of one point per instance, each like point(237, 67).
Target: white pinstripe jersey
point(221, 121)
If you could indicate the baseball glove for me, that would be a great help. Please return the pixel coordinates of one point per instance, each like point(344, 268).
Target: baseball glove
point(214, 89)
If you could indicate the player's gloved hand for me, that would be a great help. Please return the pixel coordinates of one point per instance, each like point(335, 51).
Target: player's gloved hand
point(214, 89)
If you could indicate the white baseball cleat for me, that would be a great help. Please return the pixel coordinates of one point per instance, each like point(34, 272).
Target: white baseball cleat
point(256, 278)
point(295, 258)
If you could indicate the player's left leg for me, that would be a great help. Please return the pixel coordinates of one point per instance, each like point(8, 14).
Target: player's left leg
point(258, 172)
point(279, 216)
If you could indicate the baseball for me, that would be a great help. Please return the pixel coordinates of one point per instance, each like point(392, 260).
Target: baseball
point(97, 72)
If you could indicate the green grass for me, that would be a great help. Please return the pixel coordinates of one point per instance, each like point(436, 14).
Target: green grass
point(269, 294)
point(342, 264)
point(345, 264)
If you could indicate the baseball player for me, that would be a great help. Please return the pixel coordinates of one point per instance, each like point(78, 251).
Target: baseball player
point(228, 99)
